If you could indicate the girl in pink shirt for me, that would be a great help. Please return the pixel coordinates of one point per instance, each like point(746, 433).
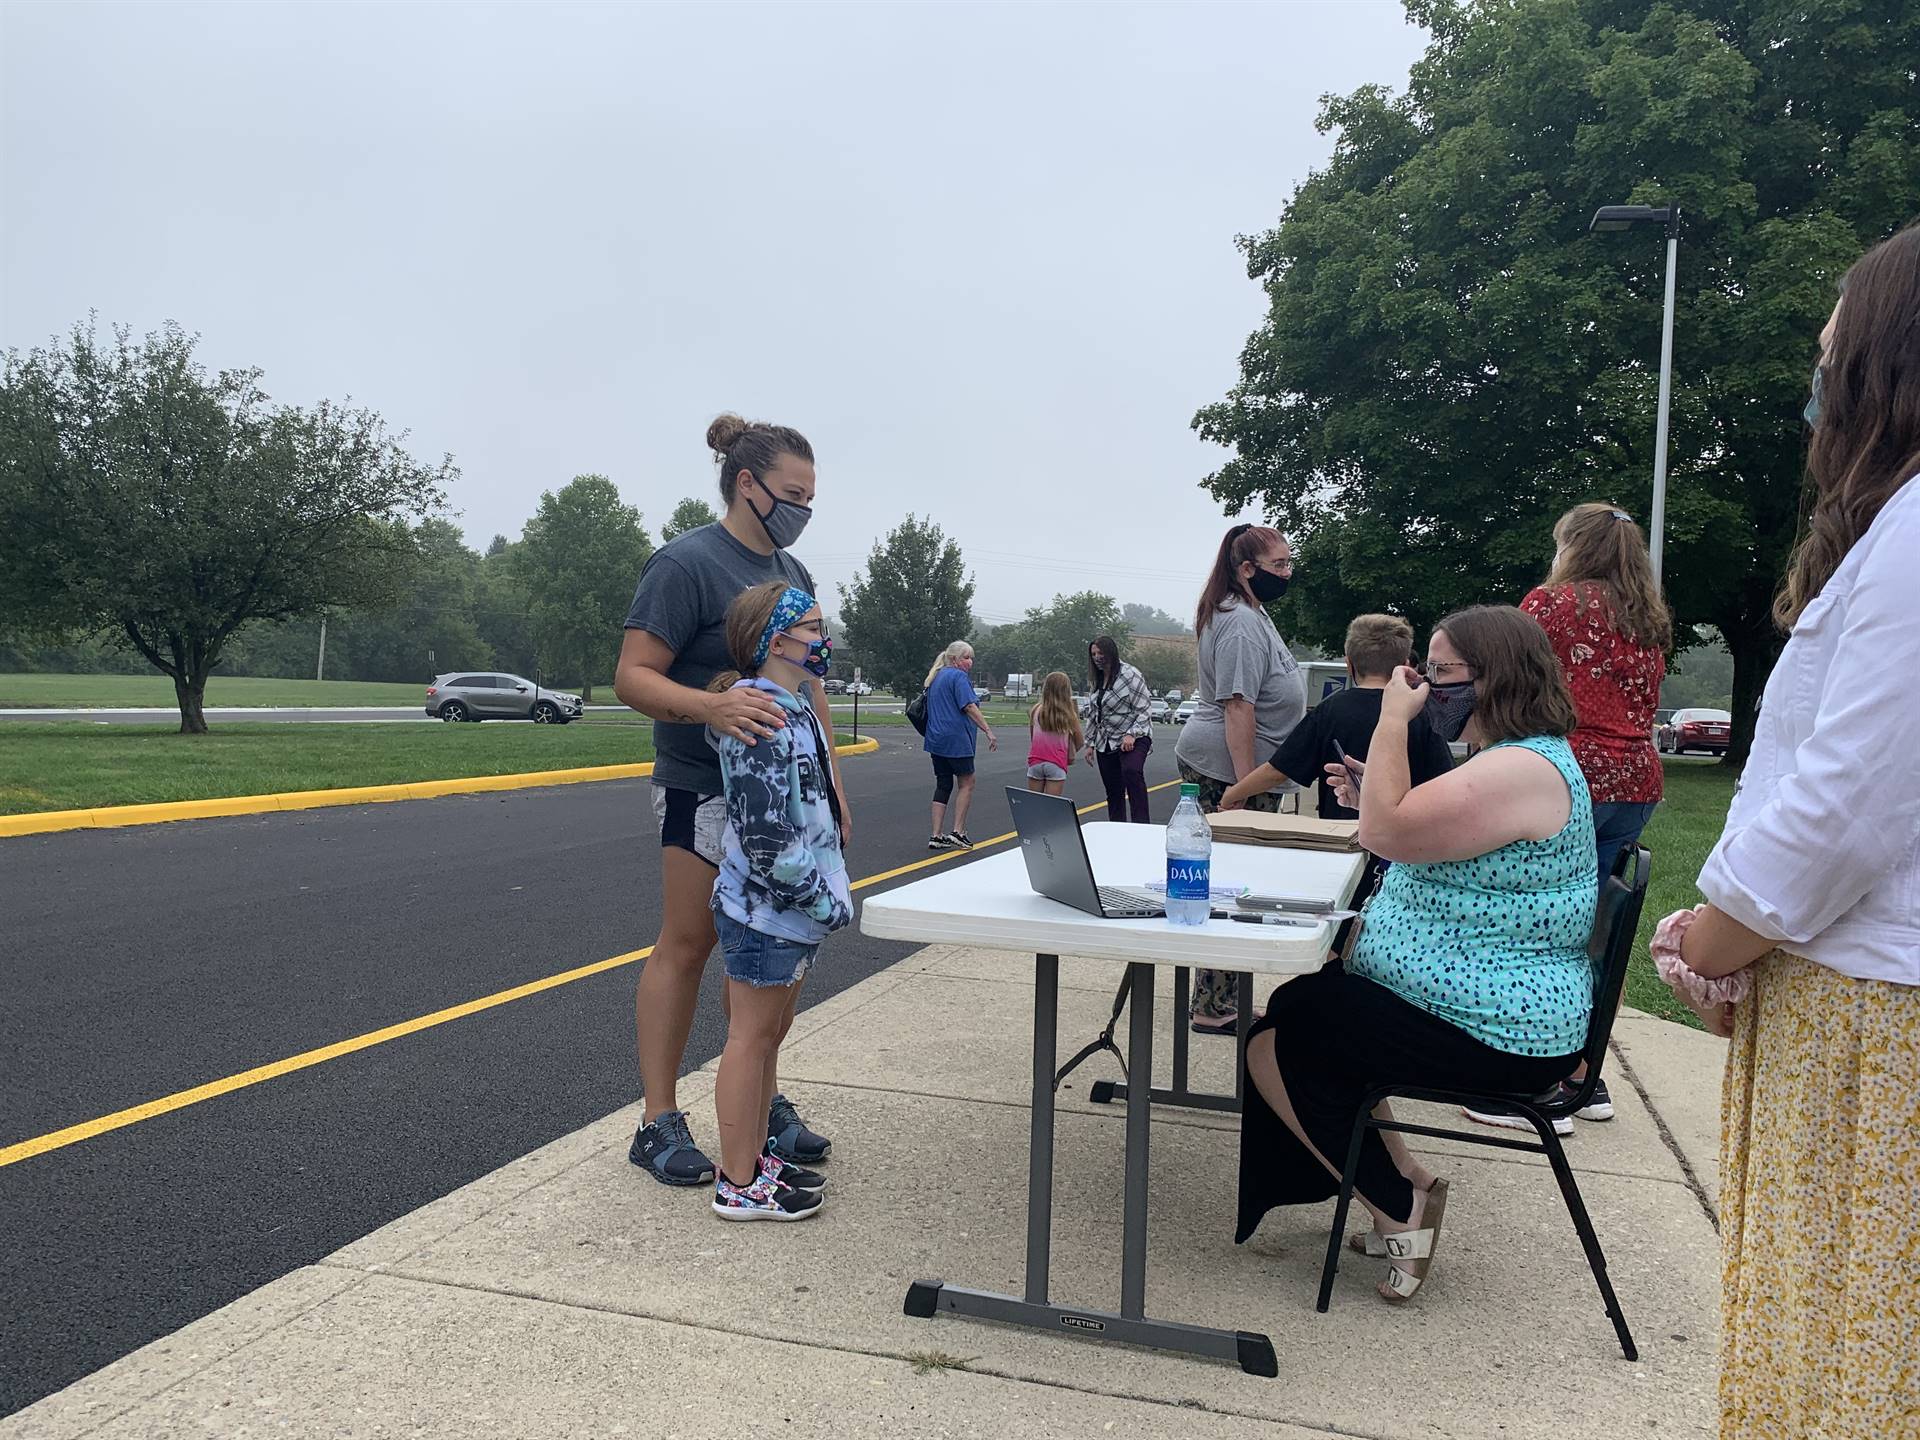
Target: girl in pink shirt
point(1055, 736)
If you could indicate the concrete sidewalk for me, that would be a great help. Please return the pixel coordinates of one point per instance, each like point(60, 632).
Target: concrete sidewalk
point(567, 1295)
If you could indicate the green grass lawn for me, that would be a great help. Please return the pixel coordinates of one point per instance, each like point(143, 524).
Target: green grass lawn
point(72, 692)
point(1682, 833)
point(57, 766)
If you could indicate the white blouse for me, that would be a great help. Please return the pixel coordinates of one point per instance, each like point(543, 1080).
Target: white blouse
point(1822, 846)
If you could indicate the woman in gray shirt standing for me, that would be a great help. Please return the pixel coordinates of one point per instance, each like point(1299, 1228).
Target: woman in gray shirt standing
point(1250, 699)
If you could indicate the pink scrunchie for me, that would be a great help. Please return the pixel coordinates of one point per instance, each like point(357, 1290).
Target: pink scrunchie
point(1681, 977)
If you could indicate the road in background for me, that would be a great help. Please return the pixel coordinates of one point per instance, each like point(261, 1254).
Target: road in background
point(144, 961)
point(349, 715)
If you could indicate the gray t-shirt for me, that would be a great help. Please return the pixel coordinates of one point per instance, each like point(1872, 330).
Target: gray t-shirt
point(685, 589)
point(1241, 654)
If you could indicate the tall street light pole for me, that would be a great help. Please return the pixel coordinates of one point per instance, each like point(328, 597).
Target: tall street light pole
point(1625, 217)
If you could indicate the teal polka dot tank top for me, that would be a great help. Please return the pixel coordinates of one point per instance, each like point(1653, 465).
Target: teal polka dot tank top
point(1496, 945)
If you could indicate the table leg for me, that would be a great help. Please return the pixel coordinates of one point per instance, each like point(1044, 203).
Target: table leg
point(926, 1298)
point(1133, 1249)
point(1046, 1025)
point(1181, 1094)
point(1182, 1024)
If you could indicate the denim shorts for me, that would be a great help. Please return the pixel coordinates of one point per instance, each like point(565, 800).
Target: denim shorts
point(1045, 770)
point(761, 961)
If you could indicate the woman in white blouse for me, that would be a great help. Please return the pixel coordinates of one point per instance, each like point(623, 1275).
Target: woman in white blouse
point(1807, 953)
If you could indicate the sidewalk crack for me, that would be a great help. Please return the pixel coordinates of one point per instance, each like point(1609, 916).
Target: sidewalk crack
point(1667, 1137)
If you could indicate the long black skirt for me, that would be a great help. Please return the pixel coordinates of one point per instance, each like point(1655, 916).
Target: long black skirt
point(1337, 1037)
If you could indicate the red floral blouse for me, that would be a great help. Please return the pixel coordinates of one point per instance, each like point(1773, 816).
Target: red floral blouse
point(1615, 682)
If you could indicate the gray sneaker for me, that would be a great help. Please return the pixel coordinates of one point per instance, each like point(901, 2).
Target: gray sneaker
point(665, 1150)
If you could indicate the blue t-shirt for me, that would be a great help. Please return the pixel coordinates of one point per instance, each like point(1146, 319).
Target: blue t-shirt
point(1496, 945)
point(949, 731)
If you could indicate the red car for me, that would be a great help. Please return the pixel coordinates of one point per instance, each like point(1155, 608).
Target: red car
point(1708, 730)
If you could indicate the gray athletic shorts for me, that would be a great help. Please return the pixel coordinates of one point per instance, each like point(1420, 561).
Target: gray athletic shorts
point(1045, 770)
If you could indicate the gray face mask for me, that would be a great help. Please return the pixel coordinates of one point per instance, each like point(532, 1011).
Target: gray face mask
point(1812, 413)
point(784, 522)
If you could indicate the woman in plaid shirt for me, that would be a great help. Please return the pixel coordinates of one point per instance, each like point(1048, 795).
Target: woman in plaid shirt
point(1119, 730)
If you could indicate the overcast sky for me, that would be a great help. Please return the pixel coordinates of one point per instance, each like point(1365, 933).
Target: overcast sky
point(982, 255)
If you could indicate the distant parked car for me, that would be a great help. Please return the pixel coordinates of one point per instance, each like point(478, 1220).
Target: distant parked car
point(1158, 711)
point(491, 695)
point(1174, 697)
point(1708, 730)
point(834, 687)
point(859, 687)
point(1185, 712)
point(981, 695)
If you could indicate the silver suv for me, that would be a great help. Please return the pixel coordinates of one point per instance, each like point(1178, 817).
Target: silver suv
point(489, 695)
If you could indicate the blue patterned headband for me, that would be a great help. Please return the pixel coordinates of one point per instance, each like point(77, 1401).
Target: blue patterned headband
point(791, 605)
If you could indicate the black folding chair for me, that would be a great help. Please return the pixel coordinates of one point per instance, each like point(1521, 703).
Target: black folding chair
point(1611, 946)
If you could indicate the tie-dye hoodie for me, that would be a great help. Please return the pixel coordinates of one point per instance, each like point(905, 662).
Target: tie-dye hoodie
point(781, 871)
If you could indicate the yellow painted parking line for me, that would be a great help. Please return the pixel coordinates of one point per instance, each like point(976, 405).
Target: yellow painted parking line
point(306, 1059)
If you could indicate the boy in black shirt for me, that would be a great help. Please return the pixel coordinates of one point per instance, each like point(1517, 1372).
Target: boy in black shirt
point(1376, 644)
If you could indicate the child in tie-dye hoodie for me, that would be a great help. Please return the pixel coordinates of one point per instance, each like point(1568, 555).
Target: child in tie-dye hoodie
point(782, 889)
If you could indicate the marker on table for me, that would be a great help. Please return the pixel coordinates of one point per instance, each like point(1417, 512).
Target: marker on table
point(1246, 919)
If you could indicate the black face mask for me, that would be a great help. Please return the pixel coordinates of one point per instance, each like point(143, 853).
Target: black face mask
point(1267, 587)
point(784, 522)
point(1448, 709)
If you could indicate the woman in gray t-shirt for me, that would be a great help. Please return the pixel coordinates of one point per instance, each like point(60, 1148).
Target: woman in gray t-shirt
point(1250, 699)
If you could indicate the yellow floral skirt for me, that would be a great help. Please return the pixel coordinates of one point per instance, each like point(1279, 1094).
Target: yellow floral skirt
point(1820, 1209)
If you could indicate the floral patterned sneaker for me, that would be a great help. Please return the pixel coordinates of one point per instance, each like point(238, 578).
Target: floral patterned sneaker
point(763, 1200)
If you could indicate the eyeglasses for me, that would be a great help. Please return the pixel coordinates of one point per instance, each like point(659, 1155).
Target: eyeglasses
point(1437, 670)
point(1276, 567)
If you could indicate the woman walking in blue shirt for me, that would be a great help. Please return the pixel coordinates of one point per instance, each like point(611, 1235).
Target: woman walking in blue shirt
point(953, 714)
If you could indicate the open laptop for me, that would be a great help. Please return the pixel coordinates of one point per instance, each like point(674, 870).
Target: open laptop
point(1057, 862)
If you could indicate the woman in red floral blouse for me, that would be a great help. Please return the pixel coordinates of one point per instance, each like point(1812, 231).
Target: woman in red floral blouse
point(1611, 628)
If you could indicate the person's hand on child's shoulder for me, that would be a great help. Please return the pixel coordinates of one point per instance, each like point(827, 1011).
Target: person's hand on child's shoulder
point(745, 714)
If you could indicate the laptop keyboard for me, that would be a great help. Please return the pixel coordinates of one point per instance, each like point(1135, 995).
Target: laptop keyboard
point(1118, 902)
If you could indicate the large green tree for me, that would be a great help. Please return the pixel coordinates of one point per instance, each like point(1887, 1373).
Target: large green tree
point(1449, 360)
point(142, 498)
point(579, 558)
point(913, 599)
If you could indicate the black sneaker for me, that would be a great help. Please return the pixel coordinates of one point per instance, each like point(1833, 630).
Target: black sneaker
point(958, 839)
point(665, 1150)
point(789, 1139)
point(939, 842)
point(794, 1177)
point(1599, 1105)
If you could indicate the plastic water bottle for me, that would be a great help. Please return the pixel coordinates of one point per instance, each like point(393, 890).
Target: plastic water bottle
point(1189, 861)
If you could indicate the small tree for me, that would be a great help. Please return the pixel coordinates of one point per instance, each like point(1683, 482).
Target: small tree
point(579, 558)
point(689, 514)
point(912, 601)
point(142, 498)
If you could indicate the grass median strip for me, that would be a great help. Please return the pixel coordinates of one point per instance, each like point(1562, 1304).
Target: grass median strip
point(84, 766)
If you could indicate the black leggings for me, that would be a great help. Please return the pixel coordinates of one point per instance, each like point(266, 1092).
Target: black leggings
point(1335, 1037)
point(946, 769)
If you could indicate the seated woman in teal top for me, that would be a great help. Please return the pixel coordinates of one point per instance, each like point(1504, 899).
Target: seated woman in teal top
point(1471, 964)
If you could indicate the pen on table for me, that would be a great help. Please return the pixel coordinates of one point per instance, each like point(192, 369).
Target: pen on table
point(1245, 919)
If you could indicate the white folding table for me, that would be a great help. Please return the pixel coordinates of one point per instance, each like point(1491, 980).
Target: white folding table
point(989, 904)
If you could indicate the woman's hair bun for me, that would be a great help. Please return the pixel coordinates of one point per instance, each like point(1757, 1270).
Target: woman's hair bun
point(724, 431)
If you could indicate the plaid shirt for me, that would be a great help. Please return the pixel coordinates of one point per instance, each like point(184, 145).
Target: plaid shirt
point(1121, 709)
